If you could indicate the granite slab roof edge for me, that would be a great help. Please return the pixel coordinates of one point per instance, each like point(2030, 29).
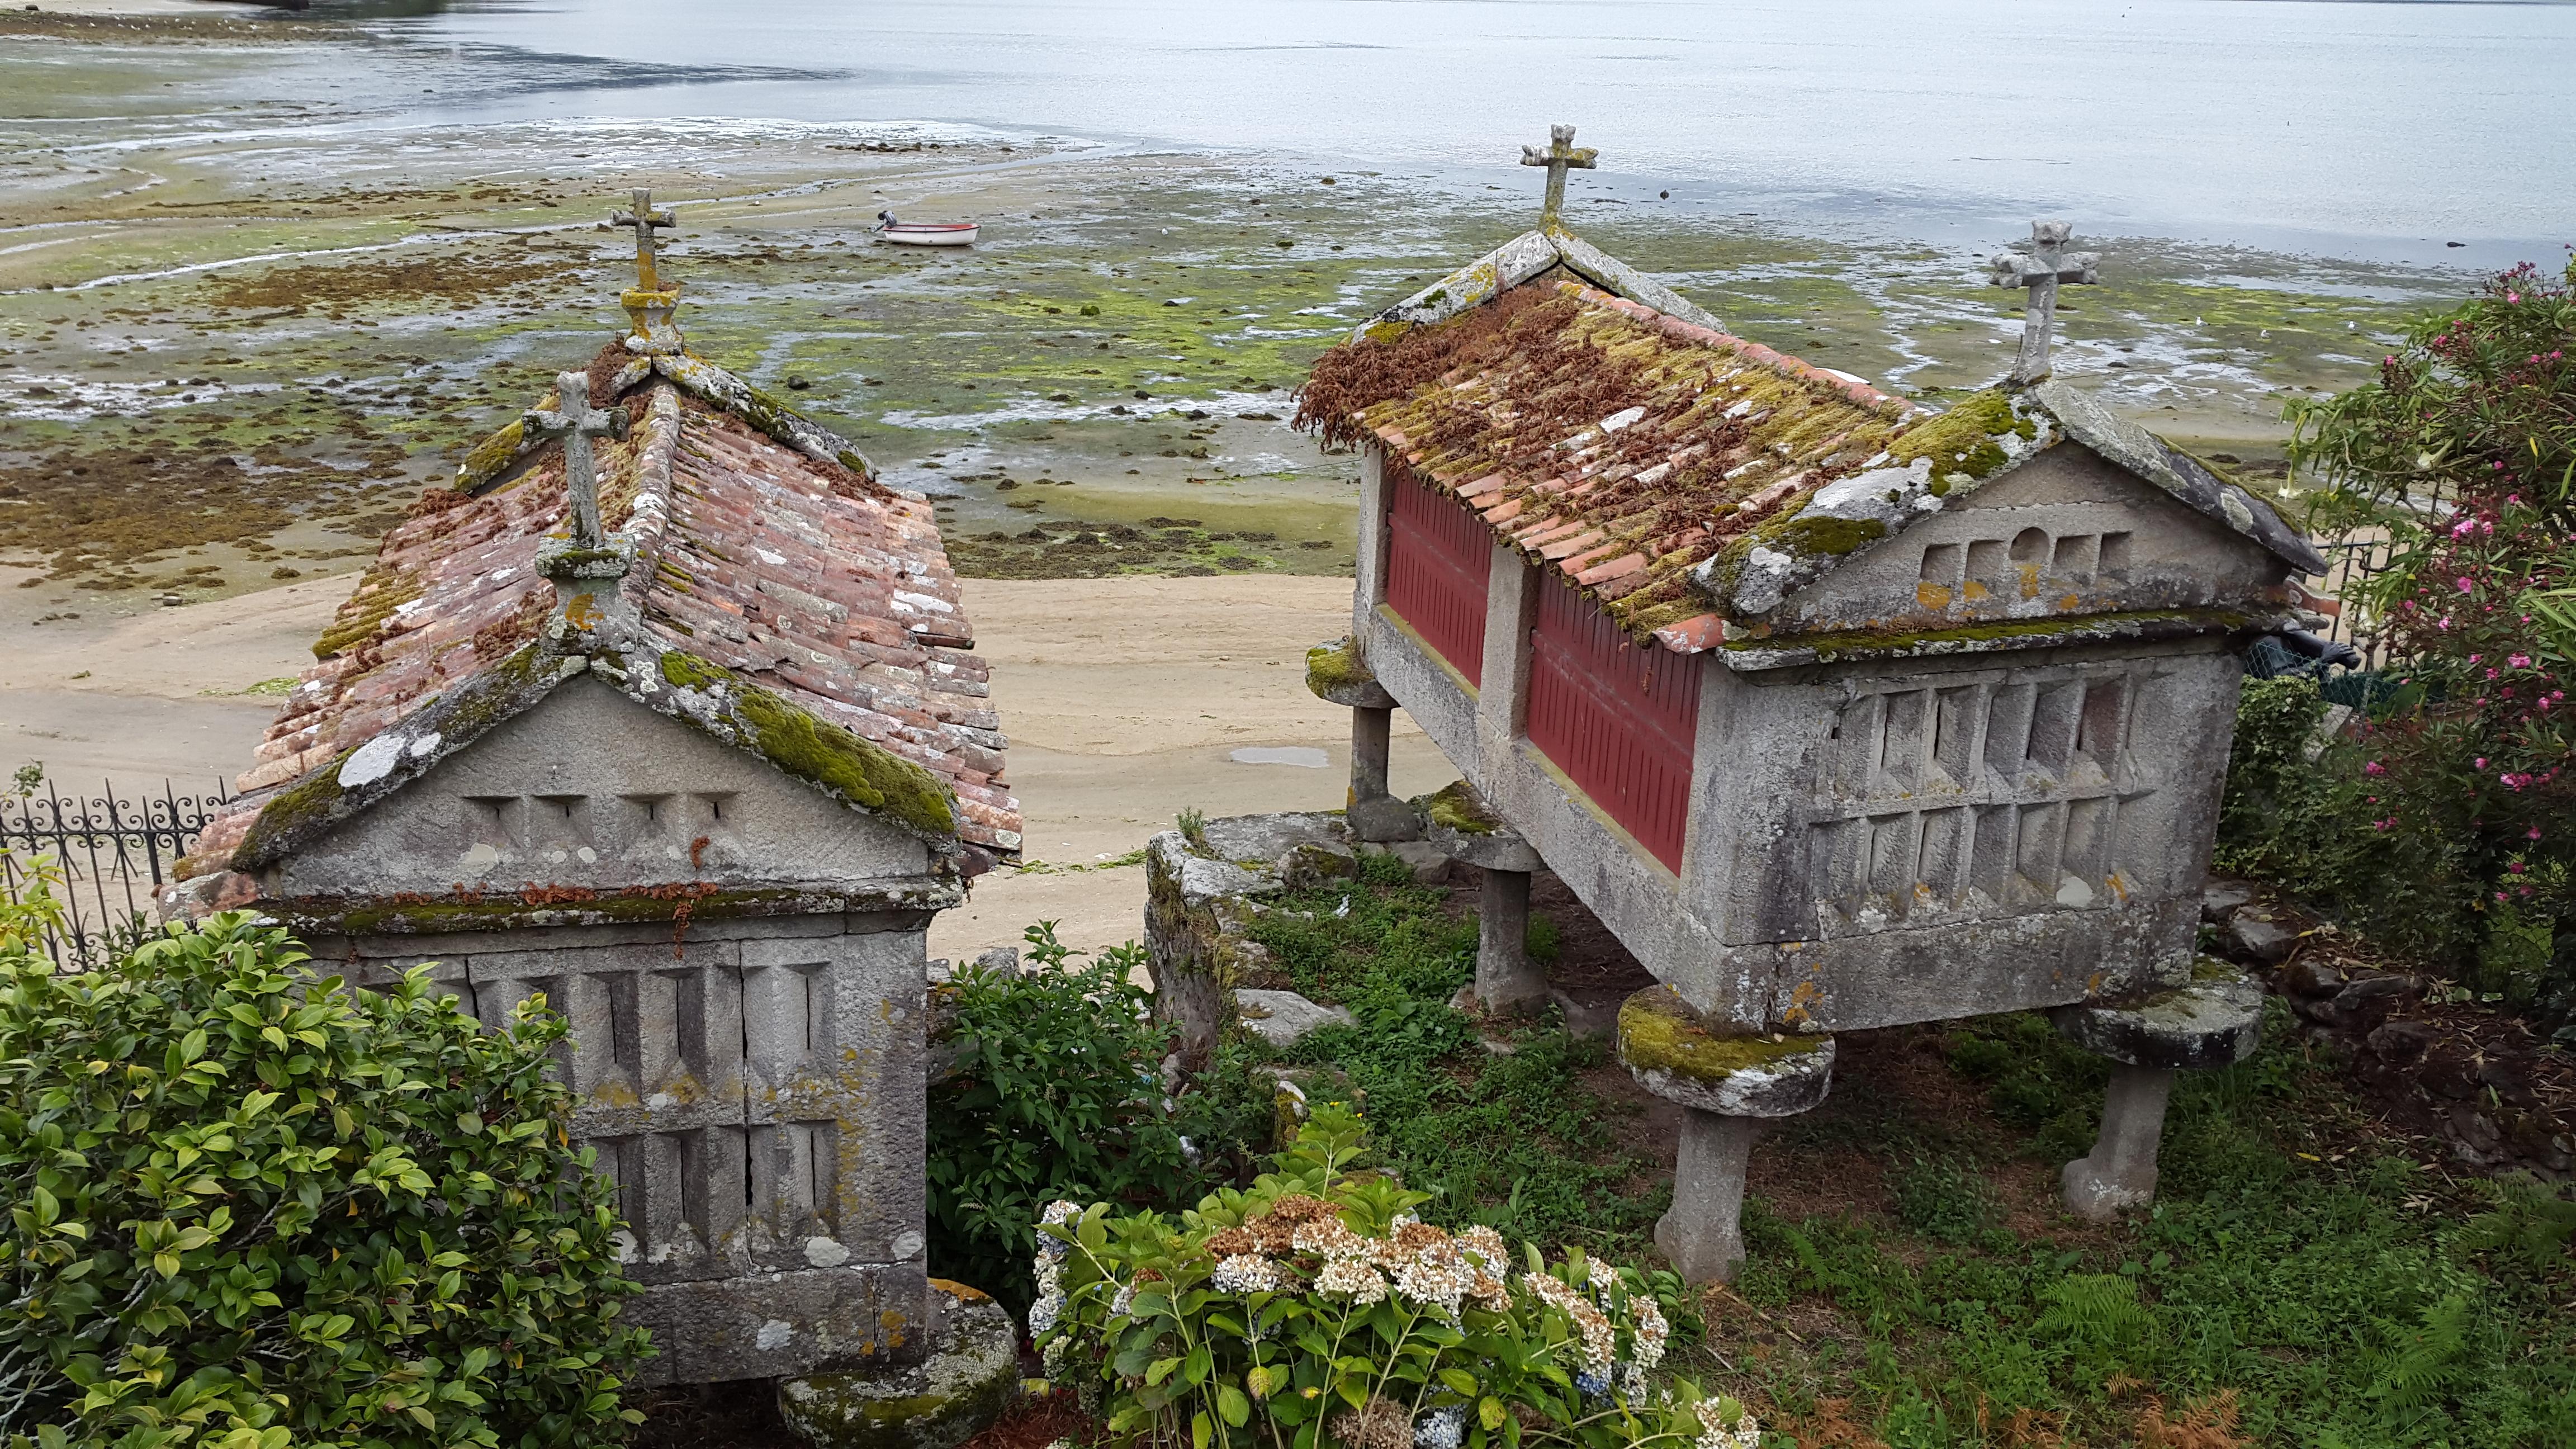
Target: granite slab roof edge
point(762, 545)
point(1734, 475)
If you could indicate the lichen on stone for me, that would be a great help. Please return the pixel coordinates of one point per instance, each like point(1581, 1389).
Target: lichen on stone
point(1336, 666)
point(1658, 1031)
point(858, 770)
point(1456, 806)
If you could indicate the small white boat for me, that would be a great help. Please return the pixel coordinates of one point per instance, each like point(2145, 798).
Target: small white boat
point(926, 233)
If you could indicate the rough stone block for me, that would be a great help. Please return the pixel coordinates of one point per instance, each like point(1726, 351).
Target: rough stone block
point(2210, 1023)
point(2256, 933)
point(2221, 897)
point(1282, 1017)
point(1201, 898)
point(1681, 1055)
point(764, 1325)
point(1385, 818)
point(938, 1401)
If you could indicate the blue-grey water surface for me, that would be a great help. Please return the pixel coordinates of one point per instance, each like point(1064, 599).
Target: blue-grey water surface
point(2379, 130)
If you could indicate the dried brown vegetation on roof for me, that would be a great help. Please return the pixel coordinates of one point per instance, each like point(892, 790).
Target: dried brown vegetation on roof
point(1505, 406)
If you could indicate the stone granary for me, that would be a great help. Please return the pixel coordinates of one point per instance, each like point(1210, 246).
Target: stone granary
point(666, 711)
point(1838, 710)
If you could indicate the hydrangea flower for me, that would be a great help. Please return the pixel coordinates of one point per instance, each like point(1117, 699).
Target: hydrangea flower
point(1440, 1429)
point(1245, 1273)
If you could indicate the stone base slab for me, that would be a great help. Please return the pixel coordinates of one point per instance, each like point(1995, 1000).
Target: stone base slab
point(764, 1325)
point(965, 1381)
point(2213, 1022)
point(1681, 1055)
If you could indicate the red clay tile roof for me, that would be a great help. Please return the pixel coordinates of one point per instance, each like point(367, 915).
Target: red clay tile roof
point(1623, 445)
point(804, 576)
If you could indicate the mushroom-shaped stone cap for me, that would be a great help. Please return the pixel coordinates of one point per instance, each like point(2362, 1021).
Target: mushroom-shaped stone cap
point(1677, 1053)
point(1462, 827)
point(2216, 1020)
point(1337, 675)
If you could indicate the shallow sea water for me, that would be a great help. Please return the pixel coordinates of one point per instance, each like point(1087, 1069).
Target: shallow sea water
point(2376, 131)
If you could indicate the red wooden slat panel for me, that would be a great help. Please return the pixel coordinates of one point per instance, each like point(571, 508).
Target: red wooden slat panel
point(1438, 558)
point(1617, 719)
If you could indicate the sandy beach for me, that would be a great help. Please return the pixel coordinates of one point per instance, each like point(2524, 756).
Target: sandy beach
point(1124, 699)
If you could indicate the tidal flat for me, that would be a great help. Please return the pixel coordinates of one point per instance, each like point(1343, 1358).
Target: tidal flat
point(239, 334)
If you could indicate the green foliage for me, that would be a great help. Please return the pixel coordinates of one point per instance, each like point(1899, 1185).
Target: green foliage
point(2275, 799)
point(1193, 827)
point(1944, 1199)
point(2530, 1225)
point(1515, 1141)
point(2342, 1302)
point(247, 1208)
point(2455, 801)
point(1314, 1308)
point(1056, 1092)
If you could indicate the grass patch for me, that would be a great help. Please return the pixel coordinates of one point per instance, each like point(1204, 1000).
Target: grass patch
point(1514, 1140)
point(2300, 1281)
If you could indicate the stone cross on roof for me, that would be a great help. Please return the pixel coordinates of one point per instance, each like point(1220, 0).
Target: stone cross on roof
point(2046, 266)
point(1561, 155)
point(576, 422)
point(644, 219)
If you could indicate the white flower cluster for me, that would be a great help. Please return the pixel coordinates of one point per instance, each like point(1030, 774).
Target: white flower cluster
point(1440, 1429)
point(1048, 1310)
point(1600, 1337)
point(1246, 1273)
point(1746, 1433)
point(1354, 1277)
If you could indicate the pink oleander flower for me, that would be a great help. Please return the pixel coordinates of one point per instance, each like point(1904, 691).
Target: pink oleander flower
point(2519, 661)
point(2374, 768)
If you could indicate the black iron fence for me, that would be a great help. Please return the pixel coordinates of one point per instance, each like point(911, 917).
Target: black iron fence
point(107, 856)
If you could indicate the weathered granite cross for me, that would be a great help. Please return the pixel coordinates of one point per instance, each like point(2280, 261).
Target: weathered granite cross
point(2041, 272)
point(644, 219)
point(1560, 156)
point(576, 422)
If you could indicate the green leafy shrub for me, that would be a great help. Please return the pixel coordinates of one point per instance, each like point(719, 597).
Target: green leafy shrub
point(247, 1209)
point(2463, 784)
point(1056, 1092)
point(1316, 1308)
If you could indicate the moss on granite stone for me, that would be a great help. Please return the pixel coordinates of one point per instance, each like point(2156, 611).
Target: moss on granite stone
point(1335, 666)
point(1456, 806)
point(299, 806)
point(1658, 1031)
point(1964, 439)
point(2077, 628)
point(491, 457)
point(858, 770)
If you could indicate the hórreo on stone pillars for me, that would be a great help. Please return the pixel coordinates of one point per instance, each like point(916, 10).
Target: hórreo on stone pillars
point(1838, 711)
point(628, 719)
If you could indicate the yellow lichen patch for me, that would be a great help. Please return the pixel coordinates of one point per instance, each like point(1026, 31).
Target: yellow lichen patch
point(1457, 807)
point(1658, 1031)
